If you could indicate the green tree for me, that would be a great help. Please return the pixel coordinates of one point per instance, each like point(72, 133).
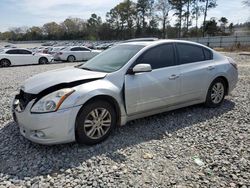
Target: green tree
point(73, 28)
point(34, 33)
point(208, 4)
point(163, 7)
point(144, 11)
point(196, 11)
point(122, 18)
point(231, 28)
point(223, 21)
point(211, 27)
point(178, 6)
point(52, 30)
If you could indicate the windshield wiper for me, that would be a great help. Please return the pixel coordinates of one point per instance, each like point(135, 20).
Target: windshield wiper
point(85, 68)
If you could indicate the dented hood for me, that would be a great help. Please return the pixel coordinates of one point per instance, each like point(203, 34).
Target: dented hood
point(66, 76)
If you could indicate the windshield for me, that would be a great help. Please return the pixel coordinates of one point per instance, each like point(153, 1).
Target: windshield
point(112, 59)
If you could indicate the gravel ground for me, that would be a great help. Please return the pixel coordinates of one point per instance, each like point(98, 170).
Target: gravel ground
point(189, 147)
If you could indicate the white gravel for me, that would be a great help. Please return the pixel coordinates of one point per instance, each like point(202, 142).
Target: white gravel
point(190, 147)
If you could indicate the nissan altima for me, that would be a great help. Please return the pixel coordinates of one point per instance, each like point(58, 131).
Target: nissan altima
point(128, 81)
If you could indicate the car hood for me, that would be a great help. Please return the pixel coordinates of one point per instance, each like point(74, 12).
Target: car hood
point(65, 77)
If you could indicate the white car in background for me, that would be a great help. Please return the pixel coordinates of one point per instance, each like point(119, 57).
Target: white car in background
point(20, 56)
point(56, 50)
point(76, 53)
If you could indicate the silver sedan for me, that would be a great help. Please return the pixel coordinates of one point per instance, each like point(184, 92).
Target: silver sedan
point(129, 81)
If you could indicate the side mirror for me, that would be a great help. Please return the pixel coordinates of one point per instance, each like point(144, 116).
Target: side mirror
point(141, 68)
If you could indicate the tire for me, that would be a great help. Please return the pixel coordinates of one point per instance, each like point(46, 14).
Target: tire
point(5, 63)
point(90, 130)
point(43, 60)
point(216, 93)
point(71, 58)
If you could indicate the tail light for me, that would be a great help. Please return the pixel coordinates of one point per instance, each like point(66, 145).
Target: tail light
point(233, 63)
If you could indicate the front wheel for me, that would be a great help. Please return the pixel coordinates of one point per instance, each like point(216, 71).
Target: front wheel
point(5, 63)
point(216, 93)
point(95, 122)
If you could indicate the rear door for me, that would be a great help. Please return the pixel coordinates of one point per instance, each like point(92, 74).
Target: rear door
point(197, 69)
point(156, 89)
point(85, 53)
point(76, 52)
point(27, 57)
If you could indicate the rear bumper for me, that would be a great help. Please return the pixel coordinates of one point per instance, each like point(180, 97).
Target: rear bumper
point(233, 79)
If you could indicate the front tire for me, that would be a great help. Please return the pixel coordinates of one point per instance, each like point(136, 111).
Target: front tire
point(43, 60)
point(216, 93)
point(95, 122)
point(5, 63)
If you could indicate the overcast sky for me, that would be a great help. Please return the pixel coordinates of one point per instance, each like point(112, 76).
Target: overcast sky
point(16, 13)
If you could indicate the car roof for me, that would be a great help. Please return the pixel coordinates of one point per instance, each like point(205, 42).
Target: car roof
point(16, 49)
point(161, 41)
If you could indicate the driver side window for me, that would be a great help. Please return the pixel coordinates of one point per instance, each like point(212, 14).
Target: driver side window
point(158, 57)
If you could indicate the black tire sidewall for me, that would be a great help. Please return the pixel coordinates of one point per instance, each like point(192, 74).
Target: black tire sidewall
point(80, 135)
point(209, 102)
point(69, 58)
point(40, 60)
point(9, 63)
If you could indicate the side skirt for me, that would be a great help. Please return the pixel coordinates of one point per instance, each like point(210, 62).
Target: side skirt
point(161, 110)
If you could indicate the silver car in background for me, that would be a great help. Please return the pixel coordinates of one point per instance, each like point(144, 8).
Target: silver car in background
point(129, 81)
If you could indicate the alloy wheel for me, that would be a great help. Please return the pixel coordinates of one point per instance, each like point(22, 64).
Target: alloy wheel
point(217, 93)
point(97, 123)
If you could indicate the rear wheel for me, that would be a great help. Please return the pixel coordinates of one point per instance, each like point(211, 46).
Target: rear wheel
point(71, 58)
point(5, 63)
point(43, 60)
point(216, 93)
point(95, 122)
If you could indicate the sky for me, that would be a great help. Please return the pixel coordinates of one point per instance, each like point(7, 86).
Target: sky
point(18, 13)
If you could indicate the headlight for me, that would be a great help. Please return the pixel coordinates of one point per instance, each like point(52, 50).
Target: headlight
point(52, 101)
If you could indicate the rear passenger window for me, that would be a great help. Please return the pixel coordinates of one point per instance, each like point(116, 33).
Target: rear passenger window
point(24, 52)
point(83, 49)
point(190, 53)
point(74, 49)
point(158, 57)
point(208, 54)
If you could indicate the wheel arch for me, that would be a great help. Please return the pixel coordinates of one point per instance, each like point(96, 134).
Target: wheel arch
point(71, 55)
point(108, 99)
point(225, 81)
point(5, 59)
point(43, 57)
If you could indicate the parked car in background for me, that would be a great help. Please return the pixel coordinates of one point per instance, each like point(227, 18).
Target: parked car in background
point(129, 81)
point(56, 50)
point(19, 56)
point(104, 46)
point(76, 53)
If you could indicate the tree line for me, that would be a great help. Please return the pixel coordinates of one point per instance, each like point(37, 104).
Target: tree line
point(129, 19)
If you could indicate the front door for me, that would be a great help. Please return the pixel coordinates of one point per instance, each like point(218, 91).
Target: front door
point(159, 88)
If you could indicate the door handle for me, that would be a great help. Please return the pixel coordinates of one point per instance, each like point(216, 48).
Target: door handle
point(210, 68)
point(173, 77)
